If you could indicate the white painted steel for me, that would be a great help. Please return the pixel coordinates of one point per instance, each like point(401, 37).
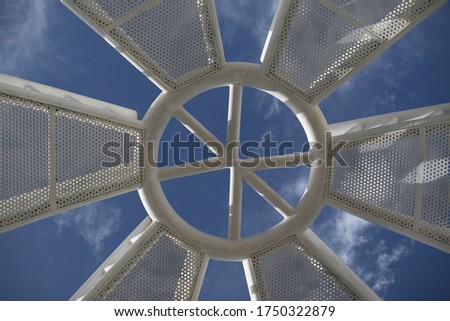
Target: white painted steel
point(263, 189)
point(401, 119)
point(56, 166)
point(70, 101)
point(329, 259)
point(196, 128)
point(167, 106)
point(173, 43)
point(303, 268)
point(151, 264)
point(174, 248)
point(279, 161)
point(315, 46)
point(410, 194)
point(235, 205)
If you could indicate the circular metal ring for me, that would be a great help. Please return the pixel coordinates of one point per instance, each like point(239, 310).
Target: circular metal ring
point(310, 117)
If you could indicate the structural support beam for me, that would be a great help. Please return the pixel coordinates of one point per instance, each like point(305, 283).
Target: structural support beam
point(410, 194)
point(192, 168)
point(55, 129)
point(197, 128)
point(278, 161)
point(235, 205)
point(261, 187)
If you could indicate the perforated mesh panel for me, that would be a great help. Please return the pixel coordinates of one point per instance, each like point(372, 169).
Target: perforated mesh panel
point(163, 268)
point(79, 153)
point(435, 207)
point(175, 41)
point(401, 177)
point(386, 17)
point(323, 41)
point(24, 159)
point(289, 271)
point(28, 189)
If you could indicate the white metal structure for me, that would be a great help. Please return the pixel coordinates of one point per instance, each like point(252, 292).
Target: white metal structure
point(312, 48)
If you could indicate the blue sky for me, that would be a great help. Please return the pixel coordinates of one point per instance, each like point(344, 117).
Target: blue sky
point(49, 260)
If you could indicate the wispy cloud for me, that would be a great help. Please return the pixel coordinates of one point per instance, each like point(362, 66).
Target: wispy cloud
point(95, 223)
point(294, 189)
point(242, 16)
point(352, 240)
point(267, 104)
point(23, 25)
point(345, 234)
point(388, 83)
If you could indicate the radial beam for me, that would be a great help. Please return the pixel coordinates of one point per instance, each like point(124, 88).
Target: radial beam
point(315, 46)
point(49, 161)
point(397, 173)
point(235, 205)
point(277, 161)
point(174, 43)
point(261, 187)
point(192, 168)
point(139, 270)
point(197, 128)
point(234, 114)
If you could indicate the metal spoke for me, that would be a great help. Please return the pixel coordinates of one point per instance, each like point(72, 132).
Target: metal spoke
point(235, 205)
point(234, 115)
point(193, 168)
point(279, 161)
point(195, 127)
point(261, 187)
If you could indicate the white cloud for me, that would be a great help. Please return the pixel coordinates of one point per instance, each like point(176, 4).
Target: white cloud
point(239, 14)
point(293, 190)
point(373, 260)
point(385, 275)
point(267, 104)
point(23, 25)
point(345, 234)
point(94, 223)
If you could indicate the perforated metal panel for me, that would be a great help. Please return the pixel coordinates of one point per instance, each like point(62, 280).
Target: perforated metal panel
point(174, 41)
point(52, 158)
point(24, 159)
point(163, 268)
point(321, 42)
point(400, 179)
point(386, 18)
point(289, 271)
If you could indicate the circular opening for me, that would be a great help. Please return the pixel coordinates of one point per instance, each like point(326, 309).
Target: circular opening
point(295, 218)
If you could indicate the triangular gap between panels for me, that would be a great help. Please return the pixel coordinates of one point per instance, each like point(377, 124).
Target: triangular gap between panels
point(179, 146)
point(247, 30)
point(210, 108)
point(289, 183)
point(257, 214)
point(224, 281)
point(201, 200)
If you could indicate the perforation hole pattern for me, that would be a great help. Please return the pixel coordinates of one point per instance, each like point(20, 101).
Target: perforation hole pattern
point(386, 18)
point(317, 47)
point(173, 41)
point(387, 177)
point(26, 163)
point(164, 268)
point(289, 271)
point(109, 9)
point(435, 213)
point(24, 159)
point(79, 152)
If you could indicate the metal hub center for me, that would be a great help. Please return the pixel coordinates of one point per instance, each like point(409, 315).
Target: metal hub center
point(296, 220)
